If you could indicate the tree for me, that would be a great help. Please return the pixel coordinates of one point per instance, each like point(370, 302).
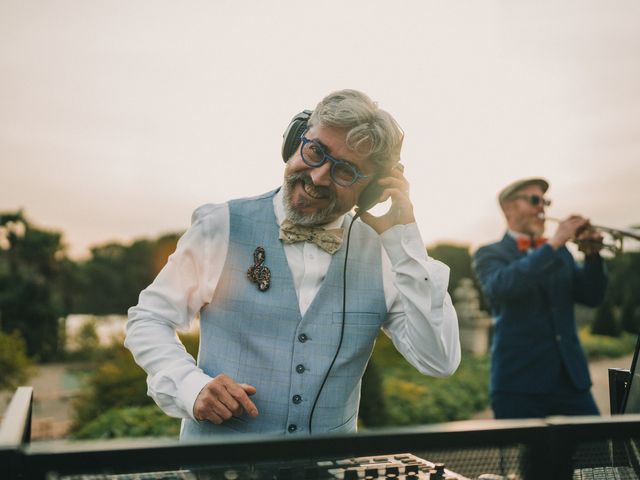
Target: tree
point(605, 322)
point(111, 279)
point(29, 267)
point(14, 363)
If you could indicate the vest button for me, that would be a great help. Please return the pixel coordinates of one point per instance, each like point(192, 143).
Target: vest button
point(292, 428)
point(296, 399)
point(300, 368)
point(303, 338)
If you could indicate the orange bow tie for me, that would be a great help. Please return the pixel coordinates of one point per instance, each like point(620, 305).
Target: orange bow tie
point(525, 243)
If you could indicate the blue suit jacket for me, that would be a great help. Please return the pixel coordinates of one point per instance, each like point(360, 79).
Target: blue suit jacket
point(532, 297)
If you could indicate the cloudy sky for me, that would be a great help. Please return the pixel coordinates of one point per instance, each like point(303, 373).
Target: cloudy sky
point(118, 118)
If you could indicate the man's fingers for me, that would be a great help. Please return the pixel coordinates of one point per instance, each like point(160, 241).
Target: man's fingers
point(213, 418)
point(223, 398)
point(249, 389)
point(241, 396)
point(230, 403)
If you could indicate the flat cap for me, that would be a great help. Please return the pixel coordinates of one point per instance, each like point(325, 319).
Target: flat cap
point(513, 188)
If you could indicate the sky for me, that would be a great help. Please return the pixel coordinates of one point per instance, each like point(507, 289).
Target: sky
point(119, 118)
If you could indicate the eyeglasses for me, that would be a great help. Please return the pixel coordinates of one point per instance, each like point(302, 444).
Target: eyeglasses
point(534, 200)
point(343, 173)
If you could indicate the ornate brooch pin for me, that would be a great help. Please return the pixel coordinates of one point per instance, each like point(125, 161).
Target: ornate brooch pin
point(258, 273)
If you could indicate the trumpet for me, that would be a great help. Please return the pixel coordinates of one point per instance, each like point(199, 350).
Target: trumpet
point(617, 235)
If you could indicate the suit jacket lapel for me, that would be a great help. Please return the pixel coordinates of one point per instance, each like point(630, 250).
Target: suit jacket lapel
point(509, 245)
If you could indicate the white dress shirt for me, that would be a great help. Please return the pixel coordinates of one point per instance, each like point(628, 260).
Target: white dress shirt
point(421, 320)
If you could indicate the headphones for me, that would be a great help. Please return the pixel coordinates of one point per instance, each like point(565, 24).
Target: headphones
point(291, 136)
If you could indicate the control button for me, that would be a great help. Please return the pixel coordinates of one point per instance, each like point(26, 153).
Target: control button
point(292, 428)
point(439, 471)
point(412, 469)
point(391, 472)
point(371, 473)
point(351, 474)
point(303, 338)
point(300, 368)
point(296, 399)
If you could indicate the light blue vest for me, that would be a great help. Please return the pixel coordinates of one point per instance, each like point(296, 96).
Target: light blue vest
point(260, 338)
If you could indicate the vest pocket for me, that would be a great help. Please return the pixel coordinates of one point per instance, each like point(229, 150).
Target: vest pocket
point(346, 427)
point(357, 318)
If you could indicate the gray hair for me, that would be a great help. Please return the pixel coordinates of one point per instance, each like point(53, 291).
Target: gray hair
point(371, 131)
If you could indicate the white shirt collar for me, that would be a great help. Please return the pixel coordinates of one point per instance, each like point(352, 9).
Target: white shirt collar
point(278, 207)
point(515, 235)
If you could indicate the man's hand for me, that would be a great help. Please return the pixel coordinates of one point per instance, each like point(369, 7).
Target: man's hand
point(223, 398)
point(568, 229)
point(395, 187)
point(589, 241)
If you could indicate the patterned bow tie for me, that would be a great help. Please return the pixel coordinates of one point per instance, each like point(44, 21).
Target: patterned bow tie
point(525, 243)
point(328, 240)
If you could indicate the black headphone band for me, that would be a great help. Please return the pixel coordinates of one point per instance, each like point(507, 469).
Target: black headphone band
point(291, 136)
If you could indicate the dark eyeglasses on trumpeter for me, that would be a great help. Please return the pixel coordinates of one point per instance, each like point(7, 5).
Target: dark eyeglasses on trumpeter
point(343, 173)
point(534, 200)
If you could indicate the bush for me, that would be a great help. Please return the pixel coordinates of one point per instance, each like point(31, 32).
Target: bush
point(147, 421)
point(414, 399)
point(372, 400)
point(14, 363)
point(116, 383)
point(410, 398)
point(604, 346)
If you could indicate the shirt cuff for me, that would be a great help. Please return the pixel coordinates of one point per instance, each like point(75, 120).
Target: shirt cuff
point(401, 241)
point(190, 388)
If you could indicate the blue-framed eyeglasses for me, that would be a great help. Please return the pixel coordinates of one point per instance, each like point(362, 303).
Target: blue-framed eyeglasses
point(343, 173)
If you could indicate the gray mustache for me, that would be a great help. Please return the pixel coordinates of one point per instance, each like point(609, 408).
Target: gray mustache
point(308, 181)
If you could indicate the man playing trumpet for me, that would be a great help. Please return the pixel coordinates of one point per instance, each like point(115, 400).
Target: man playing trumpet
point(538, 367)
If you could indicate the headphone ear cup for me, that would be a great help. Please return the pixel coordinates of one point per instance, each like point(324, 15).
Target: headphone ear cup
point(291, 136)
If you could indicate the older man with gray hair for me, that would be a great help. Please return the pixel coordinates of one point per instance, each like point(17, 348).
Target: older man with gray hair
point(288, 314)
point(538, 367)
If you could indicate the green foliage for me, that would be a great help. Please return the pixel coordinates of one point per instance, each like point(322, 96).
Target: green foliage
point(372, 400)
point(14, 363)
point(630, 314)
point(88, 341)
point(30, 260)
point(457, 258)
point(410, 398)
point(116, 383)
point(604, 346)
point(414, 399)
point(147, 421)
point(606, 322)
point(191, 342)
point(109, 282)
point(620, 310)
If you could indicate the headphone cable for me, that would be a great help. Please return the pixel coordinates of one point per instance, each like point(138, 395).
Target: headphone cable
point(344, 306)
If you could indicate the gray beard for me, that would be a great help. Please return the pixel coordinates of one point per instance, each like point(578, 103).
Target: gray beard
point(296, 216)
